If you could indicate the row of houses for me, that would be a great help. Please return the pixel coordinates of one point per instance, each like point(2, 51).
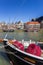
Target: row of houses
point(11, 26)
point(29, 26)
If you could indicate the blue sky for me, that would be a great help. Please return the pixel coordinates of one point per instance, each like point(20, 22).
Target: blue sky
point(24, 10)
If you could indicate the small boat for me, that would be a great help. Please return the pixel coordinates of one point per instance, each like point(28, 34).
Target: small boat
point(19, 56)
point(10, 30)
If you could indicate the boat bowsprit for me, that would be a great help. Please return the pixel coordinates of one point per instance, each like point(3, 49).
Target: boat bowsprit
point(24, 52)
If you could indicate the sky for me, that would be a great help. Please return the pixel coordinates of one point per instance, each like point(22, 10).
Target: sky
point(24, 10)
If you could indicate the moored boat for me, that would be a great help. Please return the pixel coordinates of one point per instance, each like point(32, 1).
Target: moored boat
point(20, 55)
point(10, 30)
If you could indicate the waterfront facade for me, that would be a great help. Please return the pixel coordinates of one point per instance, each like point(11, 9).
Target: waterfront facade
point(2, 25)
point(11, 26)
point(28, 26)
point(6, 27)
point(32, 26)
point(19, 25)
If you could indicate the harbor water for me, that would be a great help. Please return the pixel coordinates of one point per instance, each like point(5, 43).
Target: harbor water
point(36, 36)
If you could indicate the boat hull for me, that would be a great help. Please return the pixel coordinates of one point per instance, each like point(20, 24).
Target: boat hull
point(8, 30)
point(19, 58)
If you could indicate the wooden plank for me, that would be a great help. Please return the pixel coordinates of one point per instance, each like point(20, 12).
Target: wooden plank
point(30, 60)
